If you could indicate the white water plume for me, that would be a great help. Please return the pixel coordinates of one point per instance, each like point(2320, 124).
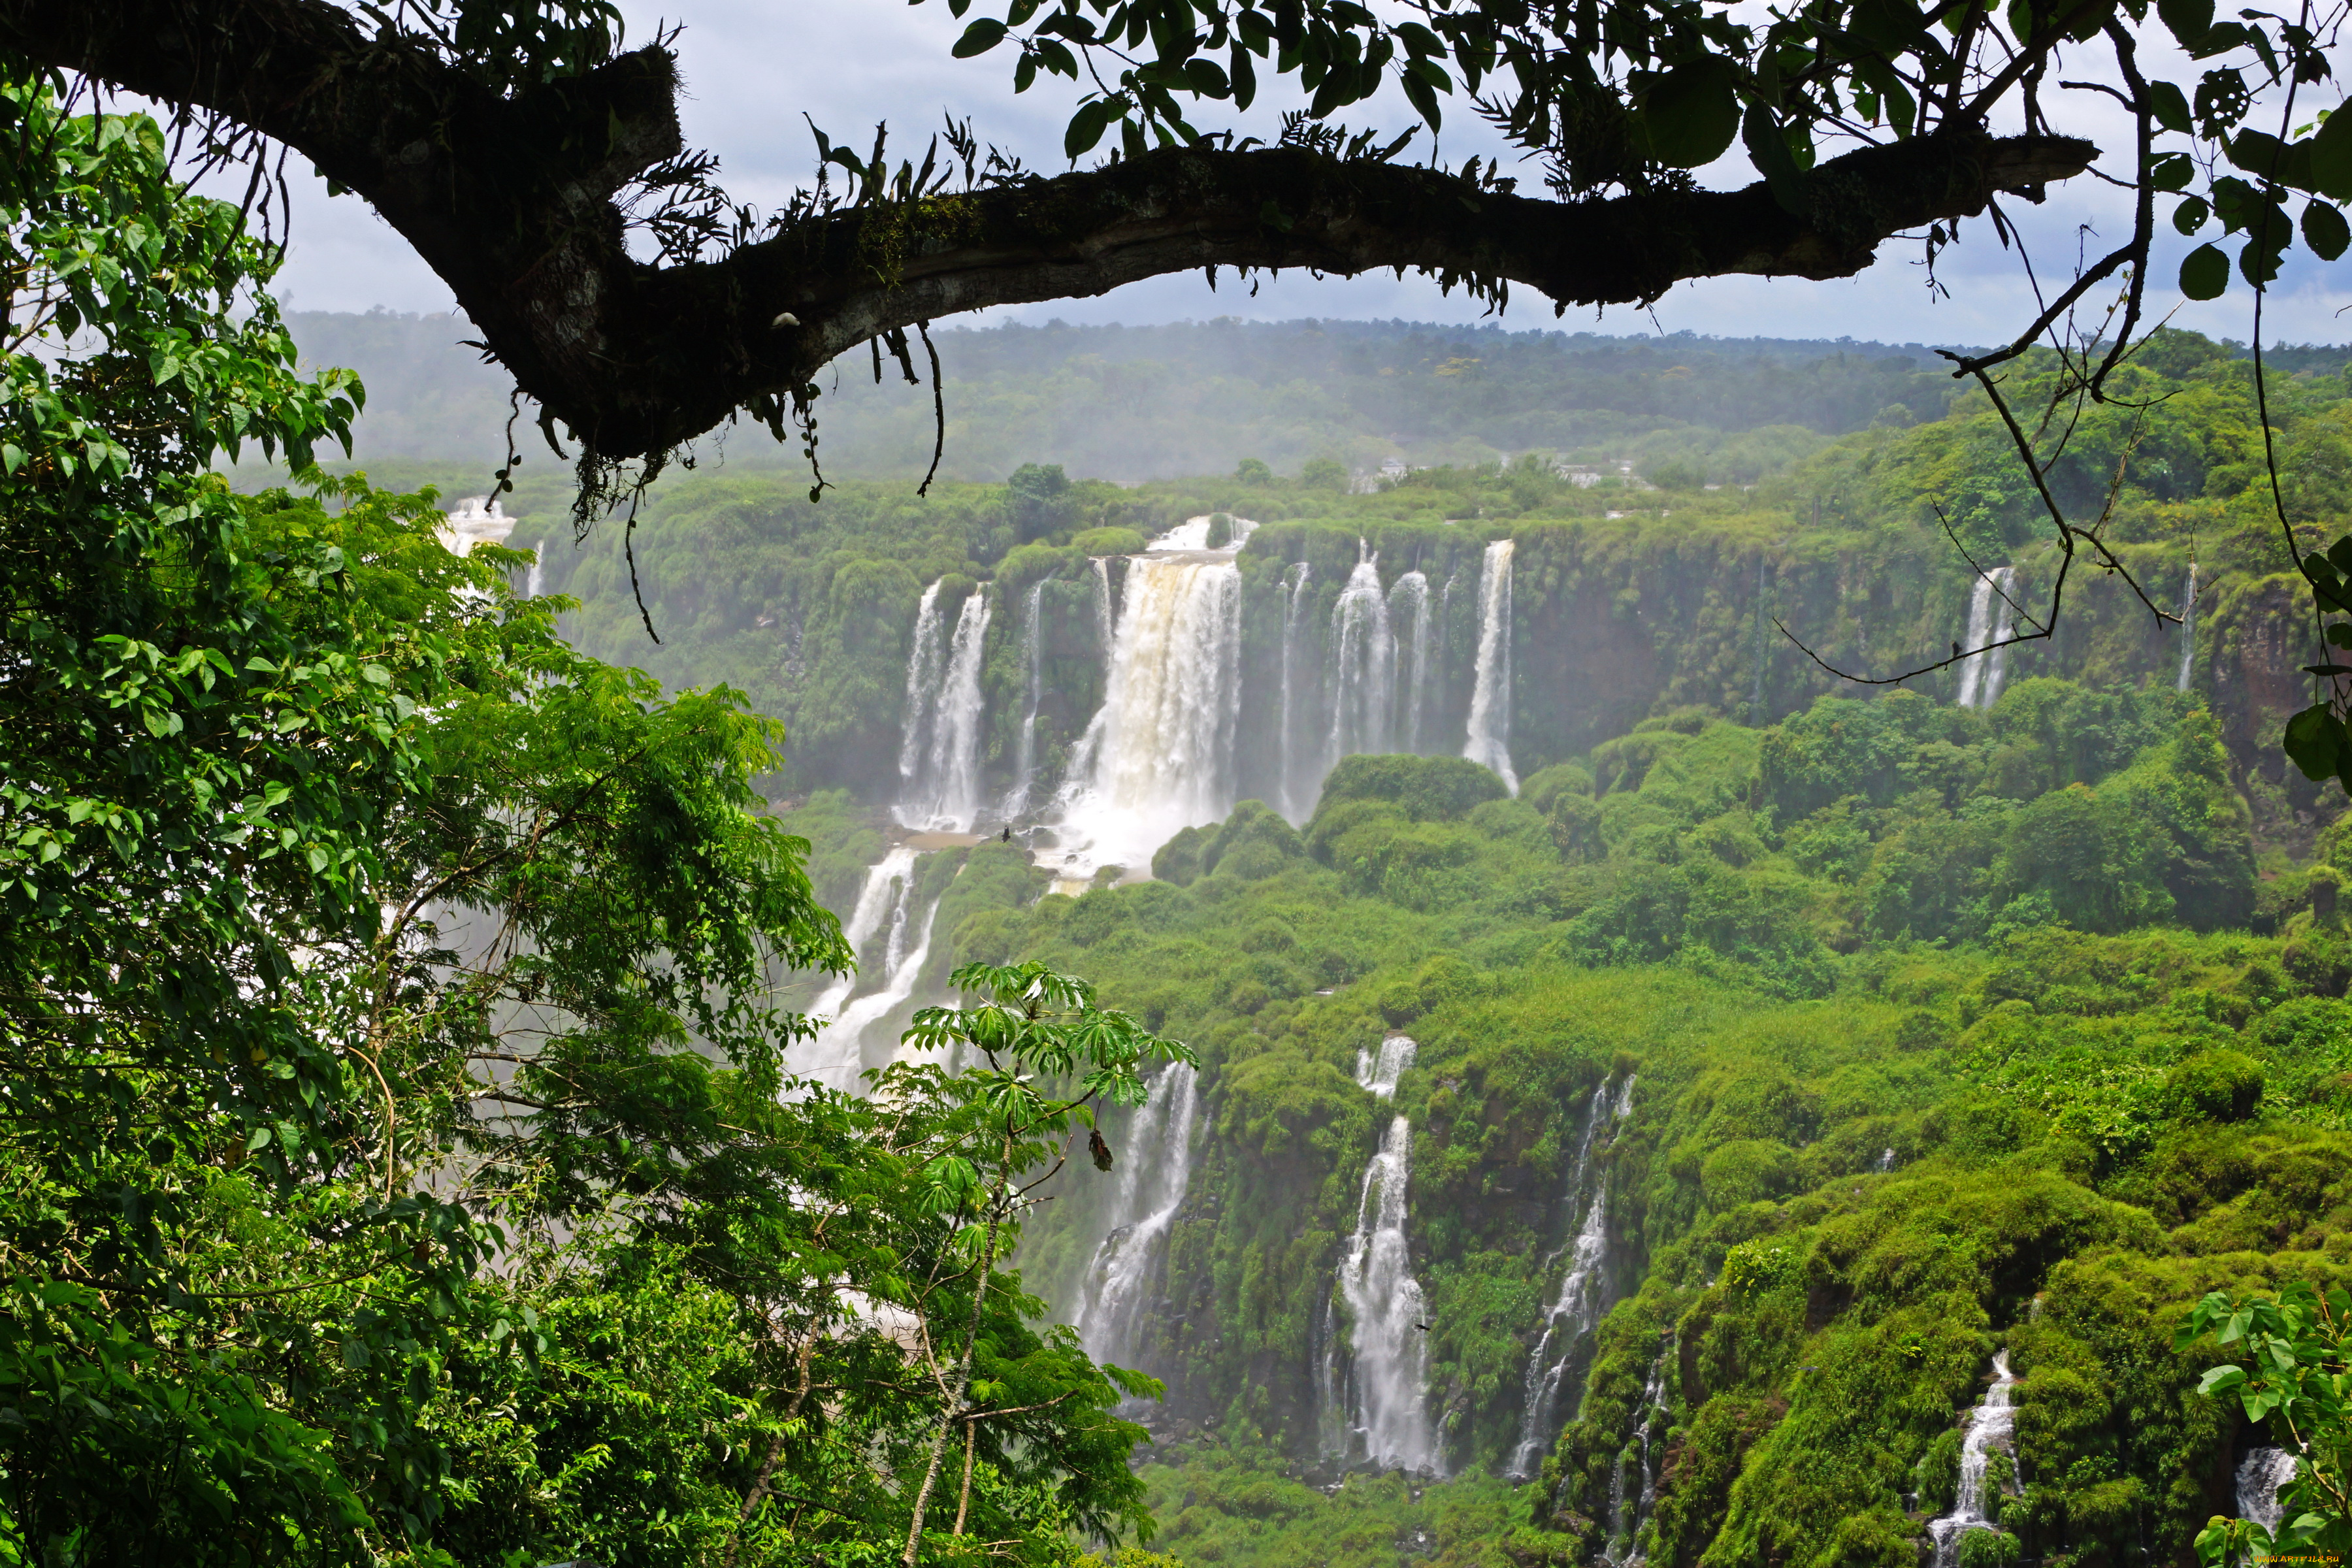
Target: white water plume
point(2187, 628)
point(1577, 1308)
point(1409, 619)
point(924, 652)
point(1159, 756)
point(1387, 1421)
point(1156, 1167)
point(1990, 619)
point(1990, 1422)
point(1033, 663)
point(2260, 1476)
point(939, 773)
point(1490, 695)
point(1294, 601)
point(537, 575)
point(1380, 1072)
point(1363, 664)
point(878, 933)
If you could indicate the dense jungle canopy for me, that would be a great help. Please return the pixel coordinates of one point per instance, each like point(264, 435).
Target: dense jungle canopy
point(1583, 1082)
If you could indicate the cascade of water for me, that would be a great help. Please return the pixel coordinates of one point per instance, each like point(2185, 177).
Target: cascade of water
point(1990, 620)
point(835, 1056)
point(1577, 1306)
point(1389, 1420)
point(1106, 629)
point(942, 788)
point(1990, 1422)
point(1409, 609)
point(1159, 756)
point(924, 652)
point(2260, 1476)
point(1157, 1169)
point(1293, 613)
point(1490, 696)
point(537, 575)
point(2188, 627)
point(1363, 664)
point(1380, 1072)
point(1033, 659)
point(1624, 1547)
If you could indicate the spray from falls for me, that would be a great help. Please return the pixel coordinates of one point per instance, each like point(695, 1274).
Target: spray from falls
point(533, 579)
point(1990, 620)
point(1578, 1307)
point(1159, 756)
point(1408, 618)
point(1363, 656)
point(1490, 695)
point(1157, 1169)
point(890, 938)
point(938, 758)
point(1990, 1422)
point(2187, 628)
point(1386, 1420)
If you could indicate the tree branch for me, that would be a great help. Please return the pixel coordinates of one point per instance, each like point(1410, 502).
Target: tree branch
point(511, 200)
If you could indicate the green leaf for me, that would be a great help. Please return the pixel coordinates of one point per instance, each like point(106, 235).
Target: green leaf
point(2190, 214)
point(2331, 157)
point(985, 34)
point(2315, 742)
point(1768, 149)
point(2168, 107)
point(2205, 275)
point(2325, 231)
point(1086, 127)
point(1690, 115)
point(2187, 20)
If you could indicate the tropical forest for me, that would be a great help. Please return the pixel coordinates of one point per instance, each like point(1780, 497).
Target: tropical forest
point(1228, 945)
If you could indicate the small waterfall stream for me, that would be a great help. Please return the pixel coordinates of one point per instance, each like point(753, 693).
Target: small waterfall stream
point(1363, 657)
point(1409, 618)
point(2188, 627)
point(1990, 619)
point(1490, 695)
point(1033, 664)
point(1626, 1516)
point(1990, 1422)
point(2260, 1476)
point(1577, 1308)
point(1386, 1420)
point(536, 577)
point(1293, 606)
point(1379, 1071)
point(884, 915)
point(1155, 1168)
point(938, 758)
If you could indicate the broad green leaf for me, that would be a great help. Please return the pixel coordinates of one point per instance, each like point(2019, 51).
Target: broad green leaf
point(2205, 273)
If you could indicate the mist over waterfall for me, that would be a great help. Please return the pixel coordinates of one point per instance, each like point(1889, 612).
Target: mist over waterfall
point(1156, 1167)
point(1990, 1422)
point(1382, 1404)
point(2188, 627)
point(1159, 756)
point(1579, 1305)
point(1363, 666)
point(938, 759)
point(1991, 618)
point(892, 939)
point(1490, 697)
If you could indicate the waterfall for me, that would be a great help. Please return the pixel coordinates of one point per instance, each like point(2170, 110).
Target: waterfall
point(1363, 658)
point(939, 764)
point(1155, 1169)
point(1388, 1418)
point(1409, 607)
point(2260, 1476)
point(1624, 1547)
point(1490, 697)
point(1032, 661)
point(1990, 619)
point(1577, 1308)
point(1990, 1422)
point(1293, 613)
point(884, 910)
point(1380, 1072)
point(1159, 756)
point(533, 579)
point(2188, 627)
point(1105, 630)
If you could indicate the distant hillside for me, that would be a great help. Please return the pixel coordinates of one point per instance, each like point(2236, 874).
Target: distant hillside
point(1139, 403)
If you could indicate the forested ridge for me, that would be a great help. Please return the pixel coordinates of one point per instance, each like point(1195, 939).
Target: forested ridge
point(1673, 1137)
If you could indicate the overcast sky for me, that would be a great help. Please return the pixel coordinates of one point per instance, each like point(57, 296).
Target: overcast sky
point(752, 68)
